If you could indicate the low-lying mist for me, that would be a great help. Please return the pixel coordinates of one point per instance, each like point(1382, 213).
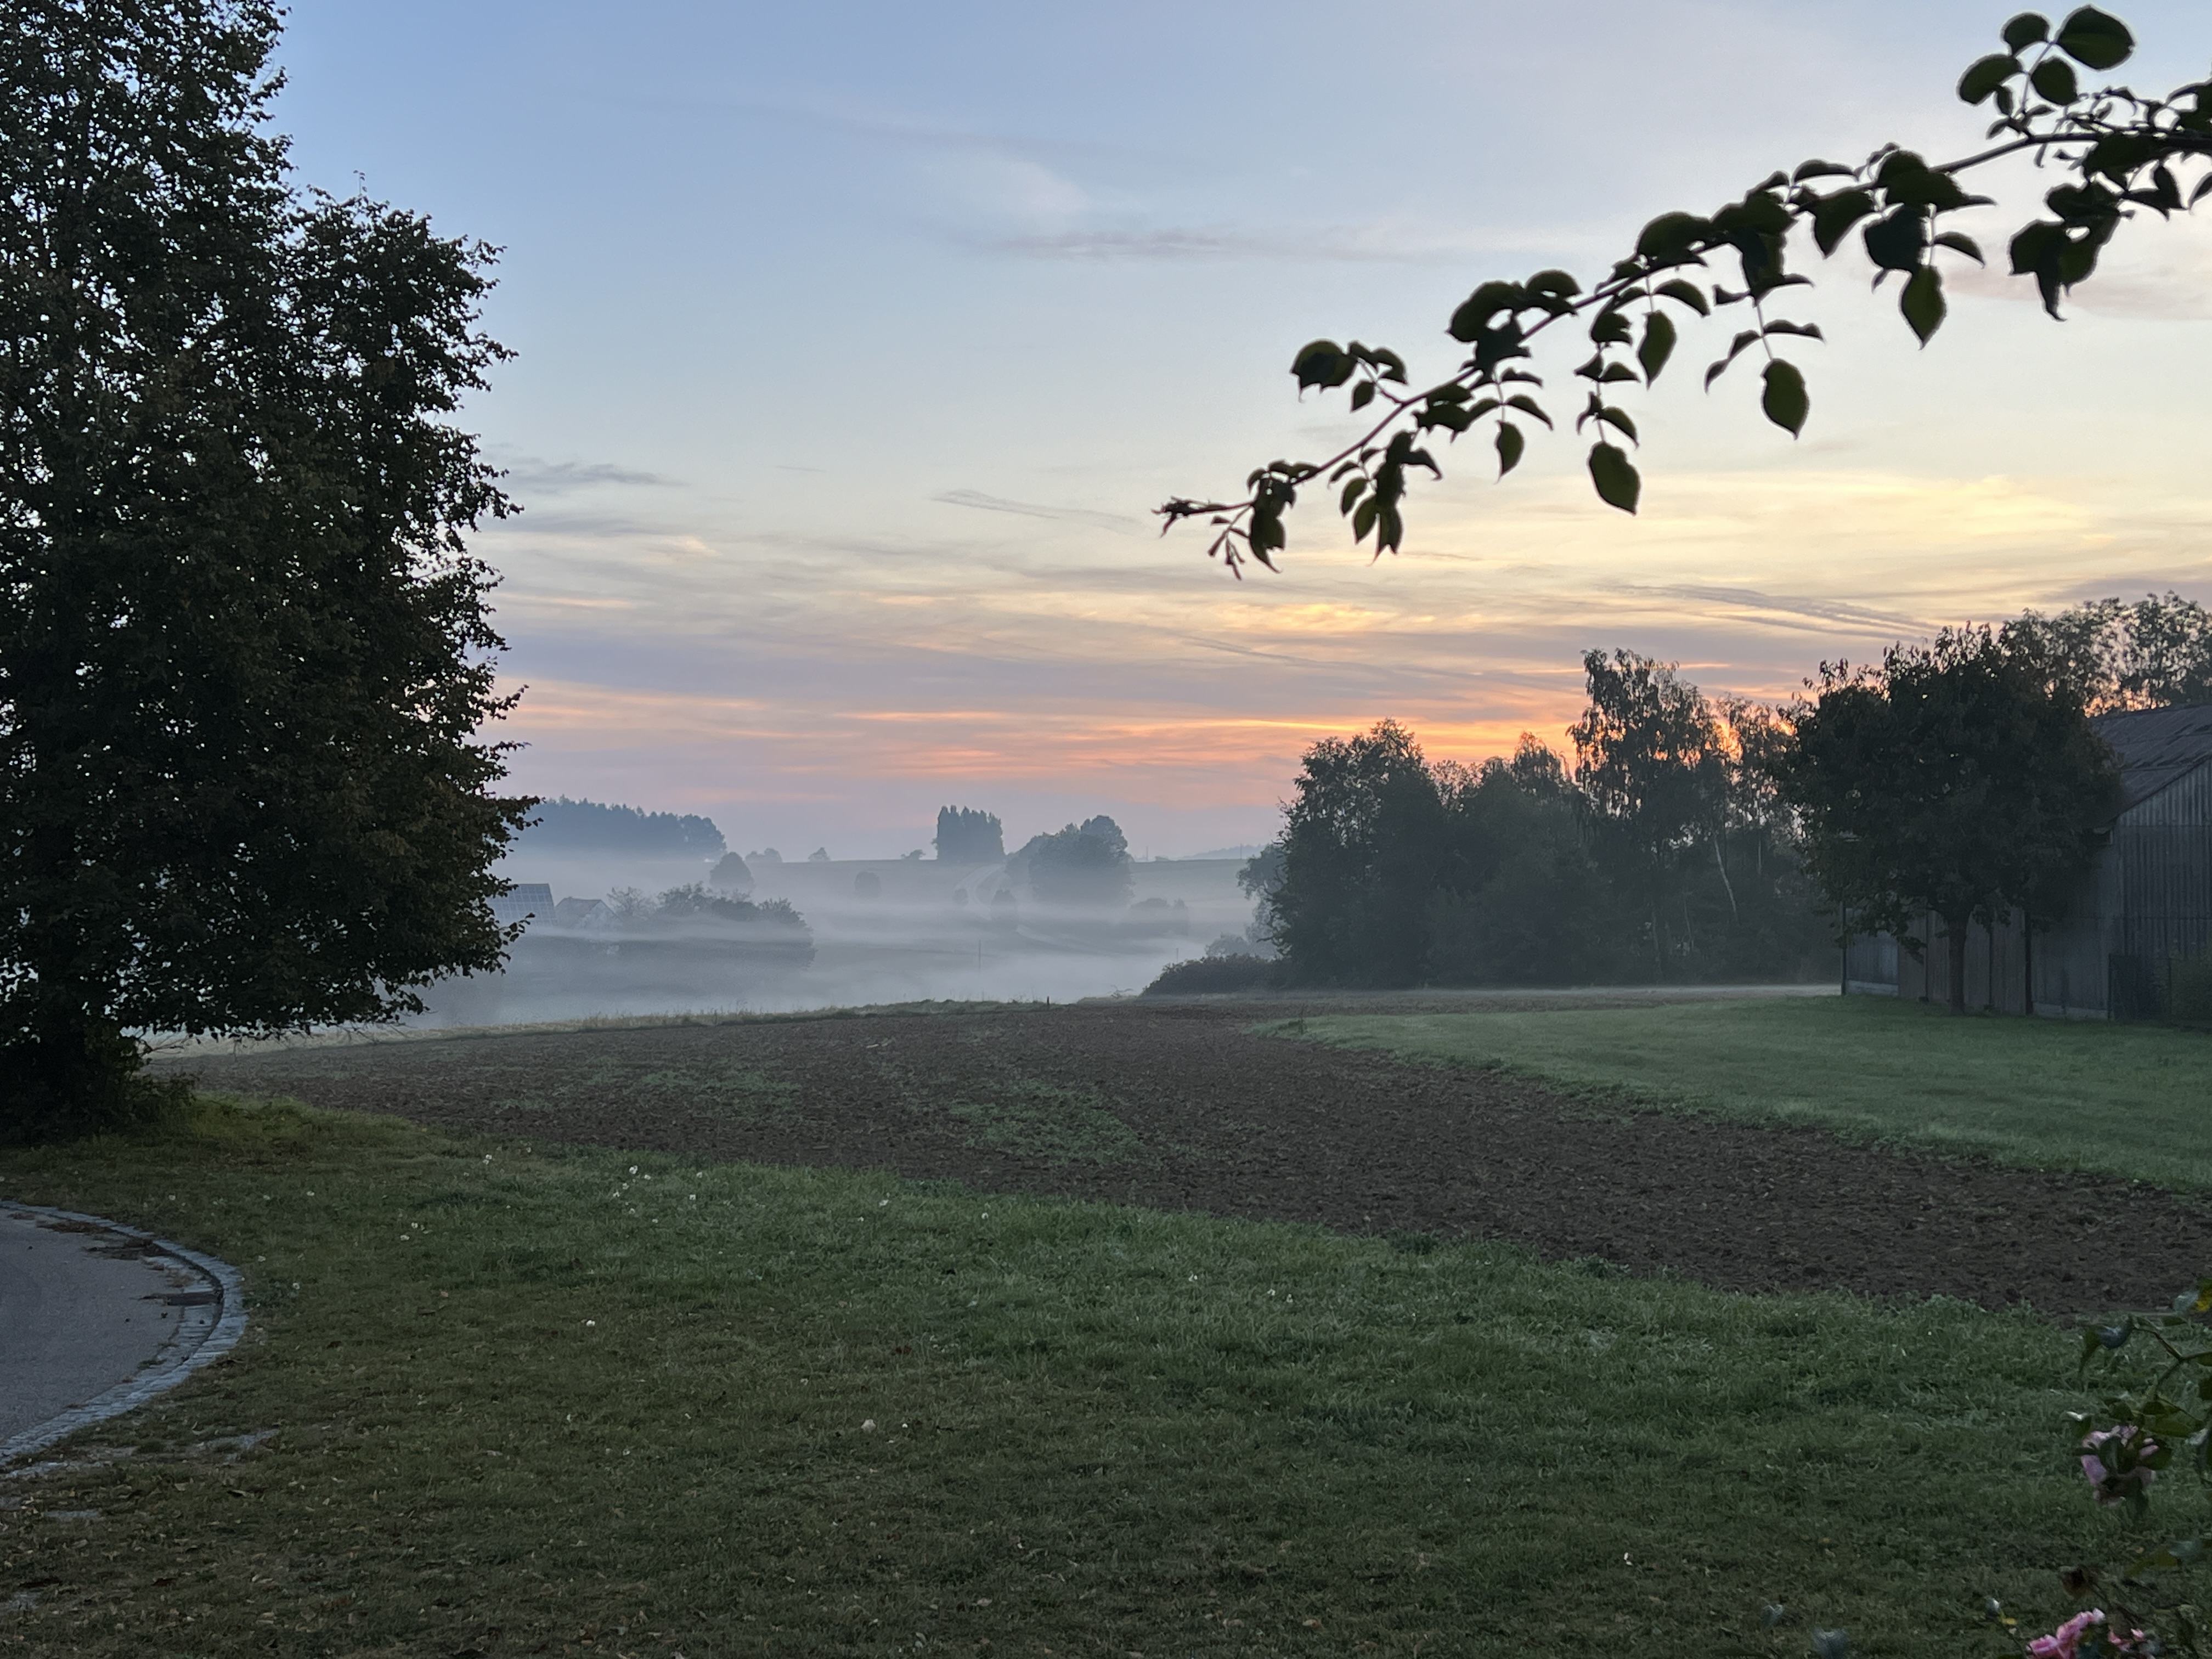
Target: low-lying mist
point(611, 934)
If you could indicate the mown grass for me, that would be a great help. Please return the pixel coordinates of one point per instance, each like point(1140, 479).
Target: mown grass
point(578, 1401)
point(2134, 1101)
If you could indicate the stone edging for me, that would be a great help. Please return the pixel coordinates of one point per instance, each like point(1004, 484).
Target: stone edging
point(204, 1333)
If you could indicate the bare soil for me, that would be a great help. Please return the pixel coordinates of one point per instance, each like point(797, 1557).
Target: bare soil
point(1176, 1106)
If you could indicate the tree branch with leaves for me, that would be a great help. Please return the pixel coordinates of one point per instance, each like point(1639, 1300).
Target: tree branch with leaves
point(2118, 150)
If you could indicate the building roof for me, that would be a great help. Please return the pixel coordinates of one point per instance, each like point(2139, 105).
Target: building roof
point(2157, 746)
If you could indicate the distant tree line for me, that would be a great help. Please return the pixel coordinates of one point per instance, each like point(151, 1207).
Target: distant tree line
point(587, 826)
point(1663, 853)
point(1085, 865)
point(1693, 838)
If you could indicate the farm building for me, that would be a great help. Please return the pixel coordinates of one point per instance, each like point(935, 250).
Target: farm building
point(2146, 902)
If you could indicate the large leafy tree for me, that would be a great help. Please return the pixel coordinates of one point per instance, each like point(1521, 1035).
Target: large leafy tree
point(2110, 151)
point(244, 656)
point(1962, 779)
point(1650, 764)
point(1365, 845)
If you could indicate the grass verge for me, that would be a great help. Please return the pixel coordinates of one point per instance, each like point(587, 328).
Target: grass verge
point(495, 1401)
point(2124, 1100)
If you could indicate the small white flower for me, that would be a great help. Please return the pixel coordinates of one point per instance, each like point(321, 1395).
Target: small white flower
point(633, 1169)
point(868, 1426)
point(591, 1321)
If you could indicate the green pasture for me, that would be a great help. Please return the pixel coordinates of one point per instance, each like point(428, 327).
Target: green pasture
point(497, 1400)
point(2134, 1101)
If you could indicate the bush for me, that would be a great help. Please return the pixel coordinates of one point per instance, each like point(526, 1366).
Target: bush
point(1205, 976)
point(2189, 990)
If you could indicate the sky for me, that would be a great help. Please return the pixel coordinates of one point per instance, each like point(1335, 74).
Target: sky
point(855, 342)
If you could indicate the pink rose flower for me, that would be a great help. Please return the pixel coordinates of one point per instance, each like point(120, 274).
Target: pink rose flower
point(2089, 1631)
point(2112, 1459)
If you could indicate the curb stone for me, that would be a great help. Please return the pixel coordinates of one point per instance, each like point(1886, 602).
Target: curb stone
point(211, 1318)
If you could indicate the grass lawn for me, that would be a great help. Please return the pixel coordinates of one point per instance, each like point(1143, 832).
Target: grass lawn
point(580, 1402)
point(2134, 1101)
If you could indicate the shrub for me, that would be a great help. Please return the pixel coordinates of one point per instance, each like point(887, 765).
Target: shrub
point(1204, 975)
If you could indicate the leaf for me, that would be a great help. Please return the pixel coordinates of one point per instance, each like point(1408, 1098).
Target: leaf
point(2095, 39)
point(1474, 312)
point(1526, 406)
point(1749, 337)
point(1809, 331)
point(1895, 243)
point(2053, 78)
point(1658, 345)
point(1784, 399)
point(1676, 288)
point(1323, 364)
point(1610, 328)
point(1615, 476)
point(1392, 532)
point(1672, 237)
point(1363, 394)
point(1922, 302)
point(1833, 216)
point(1619, 418)
point(2026, 29)
point(1510, 443)
point(1556, 283)
point(1352, 492)
point(1959, 242)
point(2204, 189)
point(1819, 170)
point(1985, 75)
point(1363, 520)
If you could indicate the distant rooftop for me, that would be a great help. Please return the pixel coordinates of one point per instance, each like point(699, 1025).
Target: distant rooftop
point(2157, 746)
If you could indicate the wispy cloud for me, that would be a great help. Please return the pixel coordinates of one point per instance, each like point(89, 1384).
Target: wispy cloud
point(559, 477)
point(976, 498)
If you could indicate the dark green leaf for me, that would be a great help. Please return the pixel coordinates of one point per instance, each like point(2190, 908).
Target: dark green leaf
point(1658, 345)
point(1363, 394)
point(1392, 365)
point(1616, 372)
point(2025, 30)
point(1483, 407)
point(1833, 216)
point(1959, 242)
point(1475, 312)
point(1923, 302)
point(1363, 520)
point(1985, 75)
point(1672, 237)
point(2054, 79)
point(1687, 293)
point(1784, 399)
point(2095, 39)
point(1819, 170)
point(1352, 492)
point(1323, 364)
point(2204, 188)
point(1895, 243)
point(1749, 337)
point(1556, 283)
point(1526, 406)
point(1510, 443)
point(1610, 328)
point(1615, 476)
point(1808, 330)
point(1619, 418)
point(2036, 244)
point(1392, 532)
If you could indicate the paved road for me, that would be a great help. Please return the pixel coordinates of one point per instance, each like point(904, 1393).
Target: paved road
point(82, 1310)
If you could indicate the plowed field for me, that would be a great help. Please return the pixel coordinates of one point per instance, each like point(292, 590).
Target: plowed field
point(1179, 1108)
